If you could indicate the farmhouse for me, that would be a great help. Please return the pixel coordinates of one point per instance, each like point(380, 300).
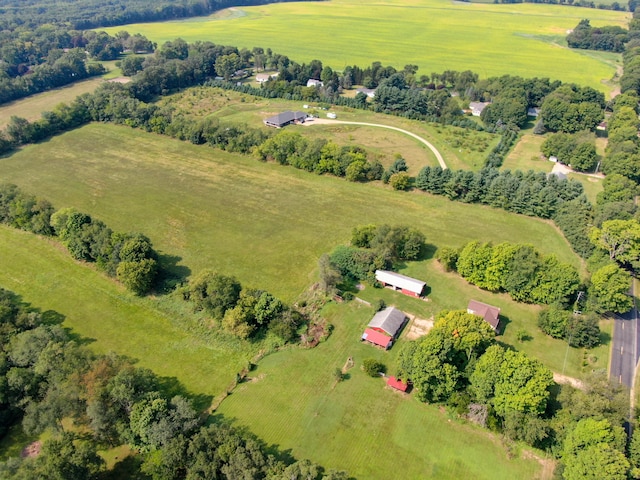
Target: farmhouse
point(533, 112)
point(398, 384)
point(384, 327)
point(369, 92)
point(490, 314)
point(477, 108)
point(407, 285)
point(265, 77)
point(285, 118)
point(312, 82)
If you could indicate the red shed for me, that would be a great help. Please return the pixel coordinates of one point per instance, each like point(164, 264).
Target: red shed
point(398, 384)
point(377, 338)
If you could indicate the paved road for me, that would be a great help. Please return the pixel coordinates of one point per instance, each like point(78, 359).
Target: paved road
point(320, 121)
point(625, 347)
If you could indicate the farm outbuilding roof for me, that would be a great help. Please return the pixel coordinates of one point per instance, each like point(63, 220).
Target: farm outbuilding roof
point(285, 118)
point(490, 314)
point(377, 338)
point(398, 384)
point(389, 320)
point(400, 281)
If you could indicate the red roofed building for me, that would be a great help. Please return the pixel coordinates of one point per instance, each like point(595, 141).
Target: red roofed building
point(377, 338)
point(398, 384)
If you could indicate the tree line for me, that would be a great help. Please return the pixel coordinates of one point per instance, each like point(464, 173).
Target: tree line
point(100, 13)
point(48, 376)
point(372, 247)
point(610, 38)
point(243, 312)
point(32, 61)
point(630, 6)
point(459, 363)
point(517, 269)
point(129, 257)
point(529, 193)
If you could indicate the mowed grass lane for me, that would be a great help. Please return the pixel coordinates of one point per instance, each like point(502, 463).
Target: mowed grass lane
point(358, 425)
point(32, 107)
point(264, 223)
point(436, 35)
point(103, 313)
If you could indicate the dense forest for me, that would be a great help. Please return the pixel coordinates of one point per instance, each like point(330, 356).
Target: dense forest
point(47, 375)
point(101, 13)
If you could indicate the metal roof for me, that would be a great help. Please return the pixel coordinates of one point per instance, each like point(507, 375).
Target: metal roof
point(376, 337)
point(285, 118)
point(397, 384)
point(401, 281)
point(389, 320)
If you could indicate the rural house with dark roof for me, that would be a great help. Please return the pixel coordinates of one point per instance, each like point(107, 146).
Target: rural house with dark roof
point(384, 327)
point(490, 314)
point(285, 118)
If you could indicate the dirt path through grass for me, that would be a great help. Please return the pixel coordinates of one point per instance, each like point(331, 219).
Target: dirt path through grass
point(324, 121)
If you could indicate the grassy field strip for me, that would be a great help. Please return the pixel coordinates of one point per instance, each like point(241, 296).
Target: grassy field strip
point(231, 213)
point(359, 425)
point(436, 35)
point(429, 145)
point(32, 107)
point(110, 319)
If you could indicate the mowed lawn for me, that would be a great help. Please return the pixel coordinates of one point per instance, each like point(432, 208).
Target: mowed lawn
point(264, 223)
point(449, 291)
point(109, 318)
point(435, 35)
point(359, 425)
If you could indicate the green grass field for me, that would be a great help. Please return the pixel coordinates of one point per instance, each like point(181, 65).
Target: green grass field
point(360, 425)
point(109, 318)
point(267, 225)
point(462, 148)
point(232, 213)
point(32, 107)
point(436, 35)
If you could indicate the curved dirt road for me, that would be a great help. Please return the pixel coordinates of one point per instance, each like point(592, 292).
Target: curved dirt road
point(324, 121)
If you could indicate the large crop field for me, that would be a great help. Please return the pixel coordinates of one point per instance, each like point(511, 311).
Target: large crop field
point(517, 39)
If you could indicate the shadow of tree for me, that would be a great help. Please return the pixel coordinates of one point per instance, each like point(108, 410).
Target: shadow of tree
point(128, 467)
point(171, 273)
point(171, 386)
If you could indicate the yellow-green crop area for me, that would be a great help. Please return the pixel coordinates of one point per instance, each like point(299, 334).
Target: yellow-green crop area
point(517, 39)
point(267, 225)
